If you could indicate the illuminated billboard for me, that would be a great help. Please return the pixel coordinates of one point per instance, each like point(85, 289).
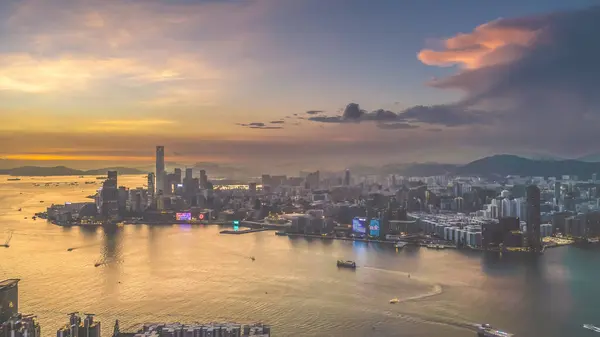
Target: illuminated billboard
point(183, 216)
point(359, 225)
point(374, 227)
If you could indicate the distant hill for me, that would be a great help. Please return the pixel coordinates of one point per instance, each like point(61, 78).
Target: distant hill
point(32, 171)
point(503, 165)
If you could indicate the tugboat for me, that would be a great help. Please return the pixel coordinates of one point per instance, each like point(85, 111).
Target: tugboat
point(346, 264)
point(486, 330)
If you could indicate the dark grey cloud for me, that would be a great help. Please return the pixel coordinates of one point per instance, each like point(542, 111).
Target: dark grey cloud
point(447, 115)
point(277, 122)
point(443, 115)
point(396, 126)
point(547, 86)
point(313, 112)
point(259, 125)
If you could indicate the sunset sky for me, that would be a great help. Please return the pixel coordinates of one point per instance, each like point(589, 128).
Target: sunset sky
point(313, 83)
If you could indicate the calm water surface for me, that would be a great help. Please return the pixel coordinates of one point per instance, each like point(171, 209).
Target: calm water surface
point(191, 273)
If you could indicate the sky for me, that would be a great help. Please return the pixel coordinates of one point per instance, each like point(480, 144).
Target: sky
point(296, 83)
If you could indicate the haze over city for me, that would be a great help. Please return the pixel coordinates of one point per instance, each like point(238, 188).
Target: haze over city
point(315, 84)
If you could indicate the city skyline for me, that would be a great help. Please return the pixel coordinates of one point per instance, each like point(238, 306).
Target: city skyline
point(295, 82)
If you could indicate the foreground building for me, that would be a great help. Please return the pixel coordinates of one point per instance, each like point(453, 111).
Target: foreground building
point(13, 323)
point(197, 330)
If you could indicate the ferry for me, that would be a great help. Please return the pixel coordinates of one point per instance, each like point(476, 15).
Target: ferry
point(591, 327)
point(486, 330)
point(400, 244)
point(346, 264)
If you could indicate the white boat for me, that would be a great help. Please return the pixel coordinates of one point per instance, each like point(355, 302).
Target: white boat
point(486, 330)
point(400, 244)
point(591, 327)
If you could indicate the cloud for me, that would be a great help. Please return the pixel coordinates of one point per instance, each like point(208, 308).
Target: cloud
point(313, 112)
point(446, 115)
point(170, 53)
point(259, 125)
point(396, 126)
point(531, 71)
point(277, 122)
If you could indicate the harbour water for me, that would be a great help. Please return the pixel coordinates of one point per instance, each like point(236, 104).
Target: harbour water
point(192, 273)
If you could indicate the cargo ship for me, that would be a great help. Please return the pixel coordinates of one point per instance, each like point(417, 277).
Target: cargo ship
point(486, 330)
point(346, 264)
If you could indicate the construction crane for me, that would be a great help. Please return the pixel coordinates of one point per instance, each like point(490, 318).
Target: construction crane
point(7, 242)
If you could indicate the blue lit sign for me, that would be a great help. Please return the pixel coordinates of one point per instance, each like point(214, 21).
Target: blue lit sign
point(374, 227)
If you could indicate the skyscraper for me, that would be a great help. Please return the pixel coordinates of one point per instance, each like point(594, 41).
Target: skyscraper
point(347, 178)
point(534, 218)
point(151, 186)
point(9, 299)
point(203, 179)
point(160, 168)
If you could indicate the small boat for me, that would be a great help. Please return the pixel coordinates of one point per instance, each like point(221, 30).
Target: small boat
point(13, 179)
point(41, 201)
point(486, 330)
point(591, 327)
point(400, 244)
point(97, 264)
point(252, 258)
point(70, 249)
point(394, 301)
point(19, 209)
point(346, 264)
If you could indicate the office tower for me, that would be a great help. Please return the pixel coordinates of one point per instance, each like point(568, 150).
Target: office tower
point(151, 186)
point(557, 193)
point(347, 178)
point(203, 179)
point(252, 188)
point(109, 197)
point(533, 218)
point(189, 173)
point(9, 299)
point(177, 176)
point(594, 176)
point(160, 168)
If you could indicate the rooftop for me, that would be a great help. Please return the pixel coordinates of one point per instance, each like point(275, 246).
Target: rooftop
point(9, 283)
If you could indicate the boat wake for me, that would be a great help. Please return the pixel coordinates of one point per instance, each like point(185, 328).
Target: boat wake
point(437, 289)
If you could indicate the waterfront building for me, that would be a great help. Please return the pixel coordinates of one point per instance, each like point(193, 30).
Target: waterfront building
point(533, 218)
point(151, 185)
